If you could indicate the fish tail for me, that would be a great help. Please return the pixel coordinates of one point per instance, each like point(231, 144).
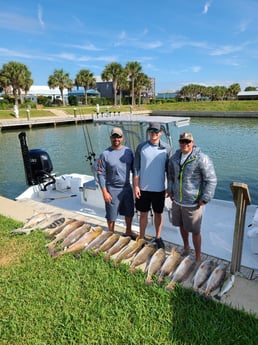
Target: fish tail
point(160, 280)
point(218, 297)
point(132, 269)
point(51, 245)
point(170, 286)
point(149, 281)
point(116, 263)
point(54, 253)
point(107, 257)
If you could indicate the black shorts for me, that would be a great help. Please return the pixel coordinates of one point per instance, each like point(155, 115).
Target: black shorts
point(156, 200)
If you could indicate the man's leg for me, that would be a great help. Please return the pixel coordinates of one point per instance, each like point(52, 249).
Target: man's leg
point(185, 237)
point(197, 245)
point(111, 225)
point(143, 223)
point(158, 223)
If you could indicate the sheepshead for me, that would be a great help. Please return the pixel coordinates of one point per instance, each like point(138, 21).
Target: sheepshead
point(54, 224)
point(202, 274)
point(120, 244)
point(182, 272)
point(47, 220)
point(107, 244)
point(170, 264)
point(226, 286)
point(75, 235)
point(98, 240)
point(133, 248)
point(155, 264)
point(215, 279)
point(81, 243)
point(51, 233)
point(142, 256)
point(65, 232)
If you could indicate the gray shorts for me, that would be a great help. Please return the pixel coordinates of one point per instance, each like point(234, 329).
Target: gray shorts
point(122, 203)
point(190, 218)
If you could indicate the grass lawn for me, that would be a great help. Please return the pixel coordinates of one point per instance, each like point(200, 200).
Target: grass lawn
point(187, 106)
point(86, 300)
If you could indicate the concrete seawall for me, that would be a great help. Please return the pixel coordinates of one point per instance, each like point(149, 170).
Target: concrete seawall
point(229, 114)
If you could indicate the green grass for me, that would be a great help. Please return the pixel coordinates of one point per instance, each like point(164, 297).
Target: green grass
point(86, 300)
point(187, 106)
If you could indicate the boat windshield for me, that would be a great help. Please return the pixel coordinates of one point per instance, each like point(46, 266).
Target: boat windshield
point(135, 127)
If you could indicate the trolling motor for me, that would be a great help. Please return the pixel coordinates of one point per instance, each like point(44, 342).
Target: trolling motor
point(37, 165)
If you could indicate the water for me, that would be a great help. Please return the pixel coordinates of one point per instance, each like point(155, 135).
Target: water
point(231, 143)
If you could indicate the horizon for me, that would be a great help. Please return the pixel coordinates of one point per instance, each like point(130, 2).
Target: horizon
point(206, 42)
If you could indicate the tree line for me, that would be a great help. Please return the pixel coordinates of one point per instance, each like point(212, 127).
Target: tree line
point(15, 77)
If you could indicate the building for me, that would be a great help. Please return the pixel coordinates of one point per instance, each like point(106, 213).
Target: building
point(247, 95)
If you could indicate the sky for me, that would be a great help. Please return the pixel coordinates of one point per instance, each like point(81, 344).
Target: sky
point(177, 42)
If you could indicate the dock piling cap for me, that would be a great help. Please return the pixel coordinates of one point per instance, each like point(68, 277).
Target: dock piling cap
point(243, 187)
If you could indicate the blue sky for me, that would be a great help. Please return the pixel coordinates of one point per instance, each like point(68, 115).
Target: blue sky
point(177, 42)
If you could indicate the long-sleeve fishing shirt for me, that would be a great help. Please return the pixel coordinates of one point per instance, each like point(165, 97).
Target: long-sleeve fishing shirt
point(114, 167)
point(193, 181)
point(150, 165)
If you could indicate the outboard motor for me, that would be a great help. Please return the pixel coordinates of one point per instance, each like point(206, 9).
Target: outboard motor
point(37, 164)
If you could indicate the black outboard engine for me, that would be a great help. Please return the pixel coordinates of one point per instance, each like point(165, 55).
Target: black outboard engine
point(37, 164)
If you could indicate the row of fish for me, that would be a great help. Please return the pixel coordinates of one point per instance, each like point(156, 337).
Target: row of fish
point(72, 236)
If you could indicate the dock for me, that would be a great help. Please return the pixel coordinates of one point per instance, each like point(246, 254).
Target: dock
point(43, 121)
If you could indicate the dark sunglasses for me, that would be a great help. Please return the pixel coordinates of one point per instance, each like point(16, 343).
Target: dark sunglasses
point(153, 130)
point(185, 141)
point(116, 136)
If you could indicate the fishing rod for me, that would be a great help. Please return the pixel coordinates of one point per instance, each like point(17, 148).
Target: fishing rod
point(88, 143)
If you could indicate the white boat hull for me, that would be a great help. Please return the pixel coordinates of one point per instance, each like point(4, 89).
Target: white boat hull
point(217, 226)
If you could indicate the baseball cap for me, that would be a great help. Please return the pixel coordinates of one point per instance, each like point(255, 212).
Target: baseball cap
point(186, 135)
point(154, 125)
point(117, 131)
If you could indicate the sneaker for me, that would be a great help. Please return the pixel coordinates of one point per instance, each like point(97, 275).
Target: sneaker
point(160, 243)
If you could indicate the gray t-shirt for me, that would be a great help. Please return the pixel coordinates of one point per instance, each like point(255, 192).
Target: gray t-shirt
point(114, 167)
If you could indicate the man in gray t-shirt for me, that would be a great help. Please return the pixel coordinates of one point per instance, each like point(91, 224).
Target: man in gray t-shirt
point(114, 167)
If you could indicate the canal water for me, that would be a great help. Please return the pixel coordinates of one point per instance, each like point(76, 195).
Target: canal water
point(231, 143)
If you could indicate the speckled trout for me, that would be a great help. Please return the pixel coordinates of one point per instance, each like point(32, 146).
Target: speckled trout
point(170, 264)
point(182, 272)
point(203, 273)
point(155, 264)
point(216, 278)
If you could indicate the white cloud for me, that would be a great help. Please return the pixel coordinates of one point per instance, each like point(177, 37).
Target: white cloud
point(206, 7)
point(40, 17)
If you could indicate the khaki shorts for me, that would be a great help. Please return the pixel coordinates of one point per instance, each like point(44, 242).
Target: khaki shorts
point(190, 218)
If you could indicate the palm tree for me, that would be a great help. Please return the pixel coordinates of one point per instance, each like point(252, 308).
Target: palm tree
point(61, 80)
point(86, 79)
point(133, 68)
point(122, 84)
point(142, 83)
point(112, 72)
point(17, 76)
